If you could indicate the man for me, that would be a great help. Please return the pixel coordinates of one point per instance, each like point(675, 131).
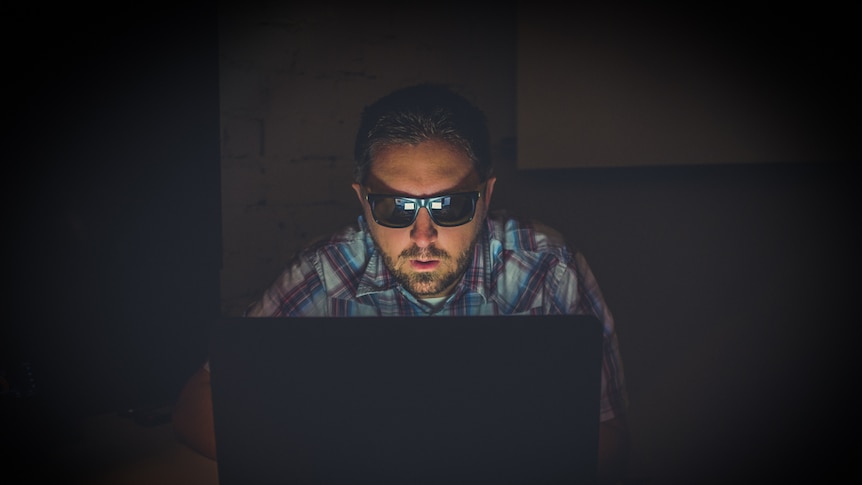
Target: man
point(427, 244)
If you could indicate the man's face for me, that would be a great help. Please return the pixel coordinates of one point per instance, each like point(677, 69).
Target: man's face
point(427, 259)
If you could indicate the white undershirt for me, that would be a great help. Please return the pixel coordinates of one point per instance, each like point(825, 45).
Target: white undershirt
point(434, 303)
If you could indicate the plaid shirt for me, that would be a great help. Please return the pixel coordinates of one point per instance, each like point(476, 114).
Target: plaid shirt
point(519, 267)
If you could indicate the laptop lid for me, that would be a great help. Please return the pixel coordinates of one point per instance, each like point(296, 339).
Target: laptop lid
point(390, 400)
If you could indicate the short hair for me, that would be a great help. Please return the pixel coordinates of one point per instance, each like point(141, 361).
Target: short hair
point(411, 115)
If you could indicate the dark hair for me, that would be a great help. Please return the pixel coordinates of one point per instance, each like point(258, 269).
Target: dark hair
point(419, 113)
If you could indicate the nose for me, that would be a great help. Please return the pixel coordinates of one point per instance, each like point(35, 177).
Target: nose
point(423, 232)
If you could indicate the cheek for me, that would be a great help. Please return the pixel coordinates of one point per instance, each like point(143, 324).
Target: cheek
point(457, 239)
point(391, 241)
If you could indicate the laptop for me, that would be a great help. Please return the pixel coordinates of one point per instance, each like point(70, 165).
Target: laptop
point(389, 400)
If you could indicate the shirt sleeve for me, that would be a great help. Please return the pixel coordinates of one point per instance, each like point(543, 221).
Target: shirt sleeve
point(580, 289)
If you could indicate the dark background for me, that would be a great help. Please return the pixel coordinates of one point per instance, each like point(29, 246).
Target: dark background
point(734, 286)
point(111, 197)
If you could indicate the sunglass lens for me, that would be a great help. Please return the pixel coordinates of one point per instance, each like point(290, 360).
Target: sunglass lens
point(453, 210)
point(394, 211)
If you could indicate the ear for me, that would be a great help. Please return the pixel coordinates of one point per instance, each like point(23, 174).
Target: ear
point(358, 189)
point(489, 189)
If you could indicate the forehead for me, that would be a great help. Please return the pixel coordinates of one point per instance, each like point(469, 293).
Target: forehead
point(431, 167)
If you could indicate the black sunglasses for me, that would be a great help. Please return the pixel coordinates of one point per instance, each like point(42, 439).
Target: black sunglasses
point(398, 211)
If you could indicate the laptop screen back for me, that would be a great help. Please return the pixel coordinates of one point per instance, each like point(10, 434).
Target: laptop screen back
point(446, 400)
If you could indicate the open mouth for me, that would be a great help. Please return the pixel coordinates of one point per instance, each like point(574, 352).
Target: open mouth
point(419, 265)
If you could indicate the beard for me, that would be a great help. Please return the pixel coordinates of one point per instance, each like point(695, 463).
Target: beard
point(430, 283)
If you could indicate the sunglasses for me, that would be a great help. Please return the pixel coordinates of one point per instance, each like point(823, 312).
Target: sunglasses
point(397, 211)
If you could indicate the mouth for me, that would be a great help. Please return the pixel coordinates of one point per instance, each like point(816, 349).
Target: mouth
point(423, 266)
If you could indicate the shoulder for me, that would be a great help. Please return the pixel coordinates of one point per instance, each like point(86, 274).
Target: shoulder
point(337, 261)
point(328, 265)
point(520, 234)
point(528, 247)
point(348, 242)
point(532, 268)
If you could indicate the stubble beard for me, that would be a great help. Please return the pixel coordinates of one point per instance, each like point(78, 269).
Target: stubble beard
point(428, 283)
